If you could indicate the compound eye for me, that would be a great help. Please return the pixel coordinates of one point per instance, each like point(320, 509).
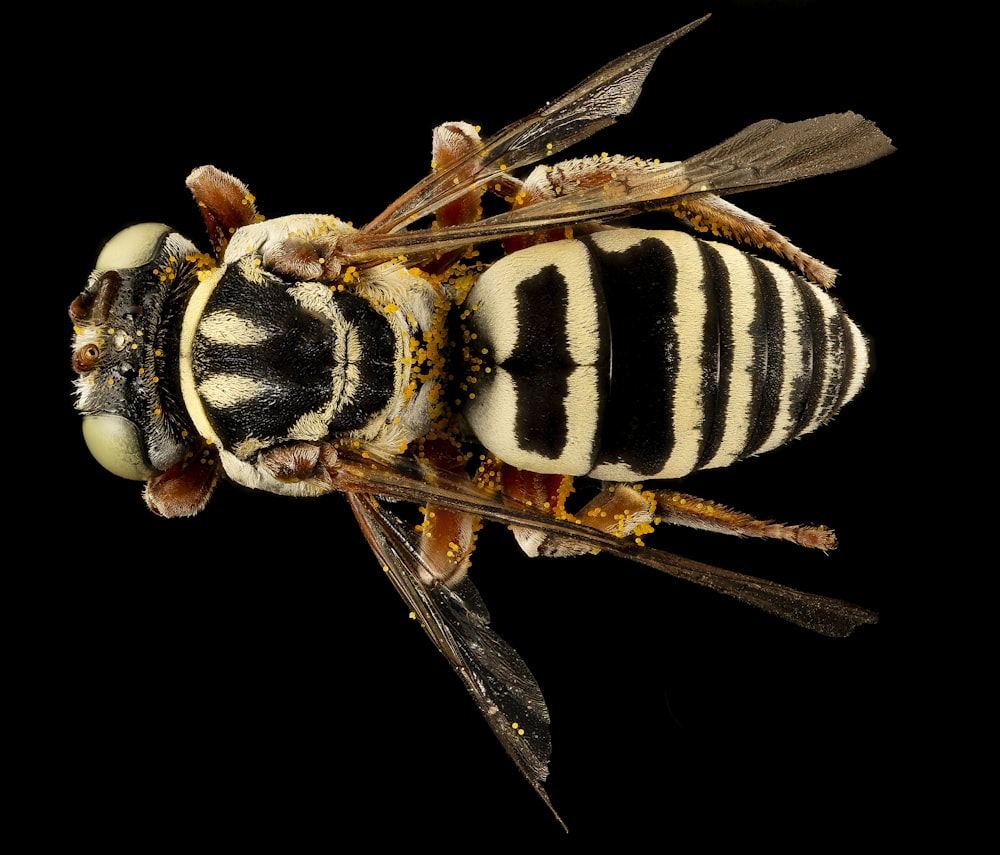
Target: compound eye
point(132, 247)
point(117, 445)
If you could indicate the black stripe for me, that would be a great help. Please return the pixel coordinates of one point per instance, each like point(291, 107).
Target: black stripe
point(808, 388)
point(540, 363)
point(717, 355)
point(639, 287)
point(769, 358)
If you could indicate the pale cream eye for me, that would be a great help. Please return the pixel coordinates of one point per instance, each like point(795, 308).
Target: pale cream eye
point(117, 445)
point(131, 247)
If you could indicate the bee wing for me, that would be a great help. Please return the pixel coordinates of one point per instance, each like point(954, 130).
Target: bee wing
point(764, 154)
point(824, 615)
point(587, 108)
point(457, 621)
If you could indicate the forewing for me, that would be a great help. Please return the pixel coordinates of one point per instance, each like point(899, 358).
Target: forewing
point(764, 154)
point(458, 623)
point(593, 104)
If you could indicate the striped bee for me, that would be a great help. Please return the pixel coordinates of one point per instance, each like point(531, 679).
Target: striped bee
point(304, 356)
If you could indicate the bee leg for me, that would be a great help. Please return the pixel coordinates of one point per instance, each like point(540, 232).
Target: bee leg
point(447, 537)
point(622, 510)
point(709, 212)
point(184, 489)
point(453, 148)
point(546, 493)
point(705, 212)
point(692, 512)
point(567, 177)
point(308, 463)
point(619, 509)
point(225, 202)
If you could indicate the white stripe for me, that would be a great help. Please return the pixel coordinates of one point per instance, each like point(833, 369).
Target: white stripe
point(192, 315)
point(826, 385)
point(688, 414)
point(735, 414)
point(223, 391)
point(226, 327)
point(857, 378)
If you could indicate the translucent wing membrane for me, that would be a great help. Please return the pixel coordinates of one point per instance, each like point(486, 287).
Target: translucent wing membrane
point(765, 154)
point(770, 152)
point(581, 112)
point(458, 623)
point(403, 480)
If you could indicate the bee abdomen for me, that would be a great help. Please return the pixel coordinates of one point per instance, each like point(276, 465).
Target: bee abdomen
point(634, 354)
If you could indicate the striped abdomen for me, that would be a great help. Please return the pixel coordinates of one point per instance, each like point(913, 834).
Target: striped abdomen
point(635, 354)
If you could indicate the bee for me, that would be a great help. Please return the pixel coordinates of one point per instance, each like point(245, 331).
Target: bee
point(476, 366)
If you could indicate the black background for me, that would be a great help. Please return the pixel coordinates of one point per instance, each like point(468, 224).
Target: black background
point(248, 675)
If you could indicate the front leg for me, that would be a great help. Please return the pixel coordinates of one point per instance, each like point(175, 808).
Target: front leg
point(447, 537)
point(226, 204)
point(301, 247)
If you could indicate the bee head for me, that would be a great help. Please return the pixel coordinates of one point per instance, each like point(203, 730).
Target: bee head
point(126, 331)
